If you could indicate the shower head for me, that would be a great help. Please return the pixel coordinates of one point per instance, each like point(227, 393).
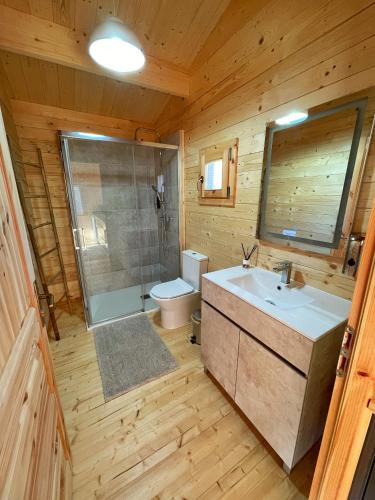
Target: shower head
point(158, 197)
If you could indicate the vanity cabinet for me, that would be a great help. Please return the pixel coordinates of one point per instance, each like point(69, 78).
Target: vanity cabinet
point(280, 379)
point(220, 347)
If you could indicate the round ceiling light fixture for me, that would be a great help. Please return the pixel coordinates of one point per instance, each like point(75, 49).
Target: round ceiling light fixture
point(115, 47)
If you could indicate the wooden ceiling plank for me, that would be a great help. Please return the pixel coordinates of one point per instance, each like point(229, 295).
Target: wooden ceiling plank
point(13, 70)
point(81, 92)
point(63, 12)
point(28, 35)
point(141, 16)
point(169, 30)
point(104, 9)
point(21, 5)
point(29, 108)
point(95, 95)
point(41, 8)
point(51, 78)
point(31, 70)
point(56, 85)
point(85, 17)
point(196, 29)
point(232, 19)
point(5, 88)
point(52, 118)
point(111, 88)
point(66, 86)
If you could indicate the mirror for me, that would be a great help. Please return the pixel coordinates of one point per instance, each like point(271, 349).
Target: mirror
point(308, 171)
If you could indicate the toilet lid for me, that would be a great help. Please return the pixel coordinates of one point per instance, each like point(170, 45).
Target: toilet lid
point(172, 289)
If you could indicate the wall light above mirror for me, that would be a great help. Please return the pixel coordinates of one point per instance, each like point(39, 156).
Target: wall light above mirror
point(292, 118)
point(307, 176)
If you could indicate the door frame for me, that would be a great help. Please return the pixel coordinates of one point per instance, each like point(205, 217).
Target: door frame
point(7, 176)
point(353, 398)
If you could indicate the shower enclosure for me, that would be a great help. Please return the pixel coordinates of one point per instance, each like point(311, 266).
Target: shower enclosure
point(124, 201)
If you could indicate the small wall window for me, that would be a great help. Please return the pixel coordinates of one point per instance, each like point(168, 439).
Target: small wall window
point(218, 171)
point(213, 175)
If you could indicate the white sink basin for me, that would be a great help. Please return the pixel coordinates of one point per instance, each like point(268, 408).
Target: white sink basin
point(267, 286)
point(304, 308)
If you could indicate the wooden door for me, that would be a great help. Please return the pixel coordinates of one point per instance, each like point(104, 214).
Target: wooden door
point(353, 399)
point(34, 452)
point(220, 347)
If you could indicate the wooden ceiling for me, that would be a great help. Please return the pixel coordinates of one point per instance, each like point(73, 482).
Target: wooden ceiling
point(42, 82)
point(171, 31)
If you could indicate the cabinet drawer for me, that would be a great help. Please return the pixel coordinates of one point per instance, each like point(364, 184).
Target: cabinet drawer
point(270, 393)
point(219, 338)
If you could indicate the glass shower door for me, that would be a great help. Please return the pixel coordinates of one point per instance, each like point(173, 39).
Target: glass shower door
point(103, 200)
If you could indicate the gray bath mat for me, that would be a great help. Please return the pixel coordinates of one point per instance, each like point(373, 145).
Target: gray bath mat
point(130, 353)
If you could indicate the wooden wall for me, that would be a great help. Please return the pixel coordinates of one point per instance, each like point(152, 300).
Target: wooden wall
point(37, 126)
point(288, 55)
point(5, 103)
point(34, 456)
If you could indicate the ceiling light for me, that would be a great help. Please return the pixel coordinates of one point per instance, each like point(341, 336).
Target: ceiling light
point(115, 47)
point(294, 117)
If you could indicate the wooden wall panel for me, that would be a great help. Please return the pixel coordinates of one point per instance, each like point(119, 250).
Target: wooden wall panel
point(283, 58)
point(6, 95)
point(38, 126)
point(33, 462)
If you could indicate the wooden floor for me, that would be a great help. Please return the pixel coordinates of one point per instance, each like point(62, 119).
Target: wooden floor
point(175, 437)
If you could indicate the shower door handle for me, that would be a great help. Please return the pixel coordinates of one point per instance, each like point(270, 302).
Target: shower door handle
point(83, 239)
point(76, 244)
point(79, 242)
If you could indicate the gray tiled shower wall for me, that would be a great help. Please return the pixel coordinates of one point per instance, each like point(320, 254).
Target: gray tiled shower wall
point(170, 253)
point(130, 252)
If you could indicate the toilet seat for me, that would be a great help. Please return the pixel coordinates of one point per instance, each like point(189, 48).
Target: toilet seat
point(172, 289)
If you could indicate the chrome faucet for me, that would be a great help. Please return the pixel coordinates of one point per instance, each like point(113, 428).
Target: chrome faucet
point(286, 269)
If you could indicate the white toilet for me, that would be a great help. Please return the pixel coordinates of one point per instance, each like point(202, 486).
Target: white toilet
point(178, 298)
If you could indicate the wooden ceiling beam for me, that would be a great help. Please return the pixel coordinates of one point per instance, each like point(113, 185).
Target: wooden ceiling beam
point(35, 37)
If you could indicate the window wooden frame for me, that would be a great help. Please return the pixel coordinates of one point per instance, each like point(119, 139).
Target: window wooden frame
point(228, 153)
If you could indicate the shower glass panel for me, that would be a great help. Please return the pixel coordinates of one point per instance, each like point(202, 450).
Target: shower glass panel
point(125, 241)
point(104, 210)
point(166, 164)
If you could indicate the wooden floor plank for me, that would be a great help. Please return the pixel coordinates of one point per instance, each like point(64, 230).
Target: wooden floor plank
point(174, 437)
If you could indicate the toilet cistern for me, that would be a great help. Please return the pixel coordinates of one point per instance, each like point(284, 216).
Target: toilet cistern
point(286, 270)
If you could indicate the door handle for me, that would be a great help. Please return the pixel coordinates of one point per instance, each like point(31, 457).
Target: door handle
point(79, 241)
point(76, 245)
point(83, 239)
